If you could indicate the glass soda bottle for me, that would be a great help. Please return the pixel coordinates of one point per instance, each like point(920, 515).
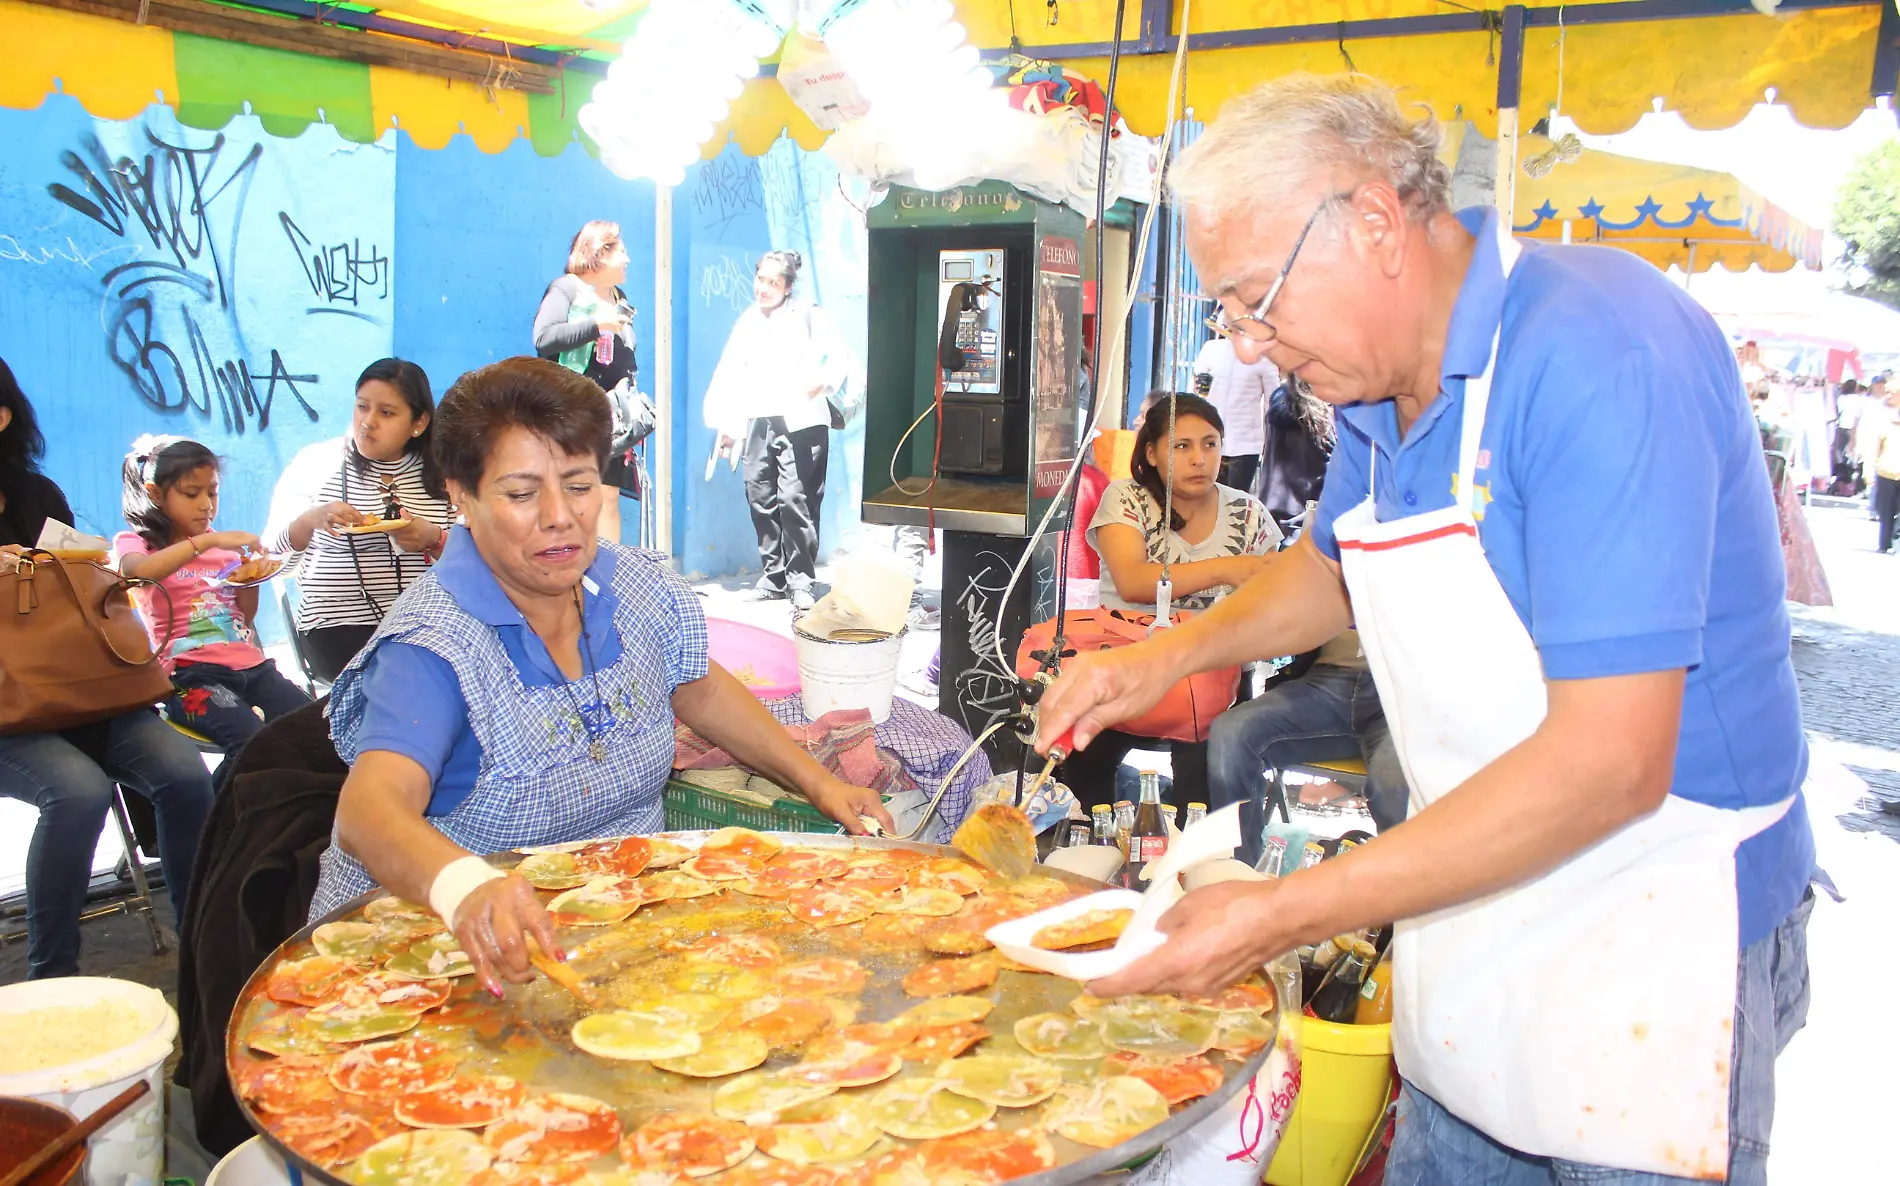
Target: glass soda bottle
point(1148, 839)
point(1338, 999)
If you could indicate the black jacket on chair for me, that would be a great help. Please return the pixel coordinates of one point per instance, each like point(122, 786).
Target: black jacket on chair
point(252, 884)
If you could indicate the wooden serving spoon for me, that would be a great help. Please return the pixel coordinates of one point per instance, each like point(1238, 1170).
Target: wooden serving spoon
point(58, 1147)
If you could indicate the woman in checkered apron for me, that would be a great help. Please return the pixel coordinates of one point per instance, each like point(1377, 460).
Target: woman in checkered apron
point(524, 690)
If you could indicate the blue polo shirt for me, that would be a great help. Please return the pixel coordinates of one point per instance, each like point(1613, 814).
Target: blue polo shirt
point(414, 702)
point(1626, 513)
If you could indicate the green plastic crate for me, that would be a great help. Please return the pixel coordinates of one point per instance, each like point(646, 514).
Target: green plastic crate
point(690, 808)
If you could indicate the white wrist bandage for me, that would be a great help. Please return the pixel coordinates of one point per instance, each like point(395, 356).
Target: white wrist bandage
point(456, 881)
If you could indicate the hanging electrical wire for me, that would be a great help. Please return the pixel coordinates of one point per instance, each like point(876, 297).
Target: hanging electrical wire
point(1103, 363)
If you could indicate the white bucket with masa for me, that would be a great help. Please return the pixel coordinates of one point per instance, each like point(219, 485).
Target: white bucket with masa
point(77, 1041)
point(848, 669)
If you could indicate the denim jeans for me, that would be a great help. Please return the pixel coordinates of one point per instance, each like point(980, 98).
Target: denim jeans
point(1328, 714)
point(72, 788)
point(217, 701)
point(1433, 1147)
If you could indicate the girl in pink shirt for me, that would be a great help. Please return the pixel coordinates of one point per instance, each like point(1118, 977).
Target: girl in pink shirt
point(201, 625)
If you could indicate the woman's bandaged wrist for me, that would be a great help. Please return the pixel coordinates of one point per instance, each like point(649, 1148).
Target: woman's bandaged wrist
point(457, 880)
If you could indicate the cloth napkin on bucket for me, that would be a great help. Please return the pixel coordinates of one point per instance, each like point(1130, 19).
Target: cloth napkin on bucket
point(843, 741)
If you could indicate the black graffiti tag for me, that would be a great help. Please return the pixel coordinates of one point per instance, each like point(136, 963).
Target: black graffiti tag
point(339, 273)
point(199, 381)
point(180, 207)
point(168, 196)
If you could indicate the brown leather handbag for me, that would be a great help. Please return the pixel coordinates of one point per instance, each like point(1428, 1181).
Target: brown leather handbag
point(72, 647)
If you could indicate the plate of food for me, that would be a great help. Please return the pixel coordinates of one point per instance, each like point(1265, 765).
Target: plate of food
point(373, 524)
point(846, 1030)
point(253, 570)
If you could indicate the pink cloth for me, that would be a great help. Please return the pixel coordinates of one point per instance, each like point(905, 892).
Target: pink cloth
point(1807, 580)
point(843, 742)
point(197, 620)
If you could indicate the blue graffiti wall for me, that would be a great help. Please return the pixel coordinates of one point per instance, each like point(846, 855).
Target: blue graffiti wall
point(230, 285)
point(482, 236)
point(225, 286)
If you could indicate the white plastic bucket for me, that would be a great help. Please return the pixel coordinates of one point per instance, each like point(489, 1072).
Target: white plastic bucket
point(253, 1164)
point(129, 1151)
point(848, 672)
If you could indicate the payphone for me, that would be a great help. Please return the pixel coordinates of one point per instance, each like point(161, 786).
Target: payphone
point(972, 409)
point(981, 421)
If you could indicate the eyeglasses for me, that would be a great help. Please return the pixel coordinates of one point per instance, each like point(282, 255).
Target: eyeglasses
point(1254, 325)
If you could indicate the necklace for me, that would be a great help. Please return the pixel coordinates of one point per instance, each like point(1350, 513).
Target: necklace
point(597, 716)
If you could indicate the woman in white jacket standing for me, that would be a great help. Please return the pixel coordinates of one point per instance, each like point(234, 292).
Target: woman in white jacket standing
point(770, 399)
point(382, 466)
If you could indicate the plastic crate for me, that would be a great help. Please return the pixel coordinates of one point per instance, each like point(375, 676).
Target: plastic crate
point(690, 808)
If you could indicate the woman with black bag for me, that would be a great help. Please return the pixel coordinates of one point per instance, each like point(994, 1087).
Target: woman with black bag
point(585, 323)
point(69, 776)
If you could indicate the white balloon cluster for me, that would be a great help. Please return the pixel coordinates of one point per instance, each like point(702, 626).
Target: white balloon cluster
point(675, 80)
point(927, 89)
point(677, 77)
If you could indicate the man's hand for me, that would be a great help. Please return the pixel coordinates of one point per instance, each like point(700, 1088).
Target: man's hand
point(1100, 690)
point(493, 924)
point(1217, 937)
point(845, 803)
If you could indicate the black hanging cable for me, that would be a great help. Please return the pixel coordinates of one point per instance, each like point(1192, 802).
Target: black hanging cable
point(1058, 643)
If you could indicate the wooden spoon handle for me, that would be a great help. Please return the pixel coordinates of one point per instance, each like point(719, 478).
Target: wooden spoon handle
point(56, 1148)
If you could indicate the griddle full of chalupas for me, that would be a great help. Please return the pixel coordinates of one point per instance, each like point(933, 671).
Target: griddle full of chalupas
point(798, 1010)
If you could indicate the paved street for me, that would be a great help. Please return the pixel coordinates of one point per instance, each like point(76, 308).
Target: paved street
point(1836, 1101)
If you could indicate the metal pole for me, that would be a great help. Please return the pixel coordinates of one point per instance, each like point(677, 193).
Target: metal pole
point(1510, 83)
point(670, 410)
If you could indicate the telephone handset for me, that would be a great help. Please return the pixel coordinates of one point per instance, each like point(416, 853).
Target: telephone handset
point(950, 356)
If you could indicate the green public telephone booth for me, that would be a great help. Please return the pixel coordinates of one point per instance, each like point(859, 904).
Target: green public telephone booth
point(973, 410)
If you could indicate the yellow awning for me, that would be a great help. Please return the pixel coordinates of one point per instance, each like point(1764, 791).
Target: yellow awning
point(1712, 70)
point(1671, 215)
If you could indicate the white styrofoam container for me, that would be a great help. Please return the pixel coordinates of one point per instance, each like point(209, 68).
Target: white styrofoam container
point(129, 1151)
point(253, 1164)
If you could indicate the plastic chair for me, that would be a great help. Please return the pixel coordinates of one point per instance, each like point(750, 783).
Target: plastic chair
point(205, 744)
point(287, 600)
point(1347, 772)
point(132, 868)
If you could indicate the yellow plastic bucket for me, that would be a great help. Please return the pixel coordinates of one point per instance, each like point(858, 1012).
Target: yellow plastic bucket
point(1345, 1079)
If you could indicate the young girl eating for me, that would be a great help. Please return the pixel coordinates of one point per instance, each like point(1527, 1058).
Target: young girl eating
point(220, 673)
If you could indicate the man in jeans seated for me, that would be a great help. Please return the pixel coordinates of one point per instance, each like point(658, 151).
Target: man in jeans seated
point(1329, 714)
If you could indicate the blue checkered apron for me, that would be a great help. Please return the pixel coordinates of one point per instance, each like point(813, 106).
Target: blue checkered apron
point(537, 784)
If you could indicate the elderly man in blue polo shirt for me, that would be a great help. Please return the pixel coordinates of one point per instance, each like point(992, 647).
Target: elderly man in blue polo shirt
point(1549, 517)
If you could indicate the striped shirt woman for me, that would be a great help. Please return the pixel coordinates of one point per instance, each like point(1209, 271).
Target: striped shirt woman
point(381, 467)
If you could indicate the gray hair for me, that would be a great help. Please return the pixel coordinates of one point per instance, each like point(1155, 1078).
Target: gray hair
point(1277, 139)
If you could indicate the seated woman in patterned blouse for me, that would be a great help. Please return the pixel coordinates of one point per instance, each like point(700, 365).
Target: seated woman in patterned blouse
point(524, 691)
point(1216, 538)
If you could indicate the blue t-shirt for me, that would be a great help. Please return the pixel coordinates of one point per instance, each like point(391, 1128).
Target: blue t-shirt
point(415, 705)
point(1626, 513)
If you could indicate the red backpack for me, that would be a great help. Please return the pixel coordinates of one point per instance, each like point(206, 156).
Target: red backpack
point(1188, 710)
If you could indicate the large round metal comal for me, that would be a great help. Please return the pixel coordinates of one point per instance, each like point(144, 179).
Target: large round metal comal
point(526, 1033)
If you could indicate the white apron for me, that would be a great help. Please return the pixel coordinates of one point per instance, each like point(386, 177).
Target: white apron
point(1586, 1014)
